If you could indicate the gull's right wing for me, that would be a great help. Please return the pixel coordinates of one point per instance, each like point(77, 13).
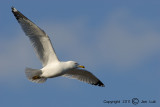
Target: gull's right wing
point(39, 39)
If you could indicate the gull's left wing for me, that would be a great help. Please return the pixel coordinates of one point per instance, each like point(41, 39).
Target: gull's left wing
point(84, 76)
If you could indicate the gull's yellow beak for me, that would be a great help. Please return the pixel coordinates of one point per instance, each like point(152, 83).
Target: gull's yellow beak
point(81, 66)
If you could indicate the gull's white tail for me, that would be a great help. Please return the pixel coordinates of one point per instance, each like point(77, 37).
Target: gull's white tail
point(34, 75)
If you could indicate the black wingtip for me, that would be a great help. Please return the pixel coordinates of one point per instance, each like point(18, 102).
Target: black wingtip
point(18, 14)
point(99, 83)
point(13, 9)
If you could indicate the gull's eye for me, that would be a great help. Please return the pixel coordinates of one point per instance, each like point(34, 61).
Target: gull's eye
point(76, 63)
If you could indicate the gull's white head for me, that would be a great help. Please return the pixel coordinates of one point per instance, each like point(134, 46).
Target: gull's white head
point(73, 64)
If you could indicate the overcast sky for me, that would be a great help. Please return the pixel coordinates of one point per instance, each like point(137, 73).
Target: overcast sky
point(117, 40)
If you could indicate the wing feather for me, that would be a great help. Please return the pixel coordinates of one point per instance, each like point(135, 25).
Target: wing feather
point(84, 76)
point(39, 39)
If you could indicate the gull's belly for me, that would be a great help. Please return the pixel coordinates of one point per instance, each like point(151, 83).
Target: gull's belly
point(51, 71)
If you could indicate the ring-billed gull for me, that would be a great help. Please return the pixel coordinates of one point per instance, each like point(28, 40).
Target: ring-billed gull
point(52, 67)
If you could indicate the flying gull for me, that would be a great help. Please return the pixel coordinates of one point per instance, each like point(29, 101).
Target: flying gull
point(52, 67)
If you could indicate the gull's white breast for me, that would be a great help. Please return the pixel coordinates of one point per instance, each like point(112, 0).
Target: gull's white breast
point(52, 70)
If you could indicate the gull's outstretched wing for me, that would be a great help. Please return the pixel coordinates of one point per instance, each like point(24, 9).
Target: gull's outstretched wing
point(83, 75)
point(39, 39)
